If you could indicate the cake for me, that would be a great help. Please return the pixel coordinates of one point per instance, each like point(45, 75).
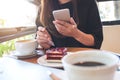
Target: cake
point(55, 54)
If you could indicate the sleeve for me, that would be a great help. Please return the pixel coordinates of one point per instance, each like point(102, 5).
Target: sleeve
point(95, 25)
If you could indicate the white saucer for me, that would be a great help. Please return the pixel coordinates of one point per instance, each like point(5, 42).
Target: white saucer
point(42, 61)
point(18, 55)
point(64, 75)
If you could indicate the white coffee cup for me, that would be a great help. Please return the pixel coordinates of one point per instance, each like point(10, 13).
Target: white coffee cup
point(103, 72)
point(25, 47)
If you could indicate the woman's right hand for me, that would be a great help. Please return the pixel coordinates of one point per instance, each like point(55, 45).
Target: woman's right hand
point(43, 38)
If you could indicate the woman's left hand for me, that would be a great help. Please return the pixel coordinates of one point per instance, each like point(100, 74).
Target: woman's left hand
point(66, 28)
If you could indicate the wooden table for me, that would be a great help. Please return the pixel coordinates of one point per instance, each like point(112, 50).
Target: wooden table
point(70, 49)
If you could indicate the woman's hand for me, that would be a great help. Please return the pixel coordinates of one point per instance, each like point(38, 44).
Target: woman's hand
point(70, 29)
point(44, 38)
point(65, 28)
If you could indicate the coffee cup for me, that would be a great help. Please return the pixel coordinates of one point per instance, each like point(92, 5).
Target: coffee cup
point(25, 47)
point(90, 65)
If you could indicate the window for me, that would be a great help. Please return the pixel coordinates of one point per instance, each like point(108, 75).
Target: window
point(23, 13)
point(19, 18)
point(19, 14)
point(109, 11)
point(14, 13)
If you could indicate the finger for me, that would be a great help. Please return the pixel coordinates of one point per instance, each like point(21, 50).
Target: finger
point(61, 23)
point(59, 27)
point(42, 40)
point(72, 21)
point(43, 35)
point(40, 33)
point(44, 44)
point(42, 29)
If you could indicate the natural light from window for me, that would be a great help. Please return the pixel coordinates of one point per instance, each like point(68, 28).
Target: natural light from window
point(15, 13)
point(109, 10)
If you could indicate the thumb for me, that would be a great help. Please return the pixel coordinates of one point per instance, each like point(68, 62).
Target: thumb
point(72, 21)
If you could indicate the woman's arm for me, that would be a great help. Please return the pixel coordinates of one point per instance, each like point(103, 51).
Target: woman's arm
point(95, 25)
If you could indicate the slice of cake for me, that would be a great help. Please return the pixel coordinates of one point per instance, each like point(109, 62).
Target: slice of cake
point(55, 54)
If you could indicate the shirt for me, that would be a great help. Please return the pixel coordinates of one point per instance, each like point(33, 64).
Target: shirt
point(90, 23)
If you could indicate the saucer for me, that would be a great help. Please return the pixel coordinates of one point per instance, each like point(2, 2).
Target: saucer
point(18, 55)
point(42, 61)
point(64, 75)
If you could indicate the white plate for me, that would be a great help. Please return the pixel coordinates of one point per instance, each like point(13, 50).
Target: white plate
point(14, 53)
point(42, 61)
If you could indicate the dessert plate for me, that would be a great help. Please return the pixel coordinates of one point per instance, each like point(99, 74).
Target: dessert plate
point(14, 53)
point(42, 61)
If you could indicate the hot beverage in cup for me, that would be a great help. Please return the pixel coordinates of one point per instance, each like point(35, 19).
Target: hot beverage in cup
point(90, 65)
point(25, 47)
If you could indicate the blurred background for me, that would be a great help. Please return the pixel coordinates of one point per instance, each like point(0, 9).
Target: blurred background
point(22, 13)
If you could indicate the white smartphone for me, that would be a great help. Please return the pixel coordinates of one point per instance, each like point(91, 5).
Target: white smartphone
point(62, 14)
